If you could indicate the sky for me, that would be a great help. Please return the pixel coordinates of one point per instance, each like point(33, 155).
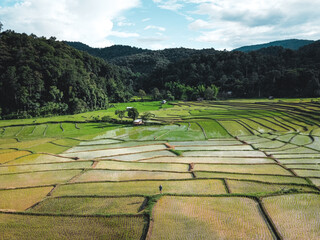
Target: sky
point(159, 24)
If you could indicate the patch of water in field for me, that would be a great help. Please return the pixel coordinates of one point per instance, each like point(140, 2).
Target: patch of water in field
point(113, 175)
point(206, 143)
point(210, 160)
point(100, 141)
point(224, 154)
point(113, 152)
point(225, 148)
point(140, 156)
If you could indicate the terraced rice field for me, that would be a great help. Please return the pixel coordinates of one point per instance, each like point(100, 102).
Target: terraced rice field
point(228, 170)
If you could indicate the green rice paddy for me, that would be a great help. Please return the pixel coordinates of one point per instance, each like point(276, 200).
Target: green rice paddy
point(72, 177)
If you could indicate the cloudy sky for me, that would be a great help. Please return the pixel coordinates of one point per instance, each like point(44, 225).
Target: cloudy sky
point(158, 24)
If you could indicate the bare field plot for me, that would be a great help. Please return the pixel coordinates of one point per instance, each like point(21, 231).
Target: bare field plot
point(208, 218)
point(296, 216)
point(36, 178)
point(262, 178)
point(41, 227)
point(114, 152)
point(247, 187)
point(142, 166)
point(297, 150)
point(21, 199)
point(142, 187)
point(90, 205)
point(224, 154)
point(9, 156)
point(106, 175)
point(44, 167)
point(254, 169)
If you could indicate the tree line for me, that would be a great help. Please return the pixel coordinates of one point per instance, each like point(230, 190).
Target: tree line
point(40, 76)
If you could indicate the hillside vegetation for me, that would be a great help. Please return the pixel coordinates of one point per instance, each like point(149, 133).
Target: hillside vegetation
point(39, 76)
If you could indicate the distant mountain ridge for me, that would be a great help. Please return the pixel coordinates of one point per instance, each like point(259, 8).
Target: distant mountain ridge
point(293, 44)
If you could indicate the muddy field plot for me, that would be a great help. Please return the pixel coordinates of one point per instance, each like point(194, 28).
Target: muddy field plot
point(296, 216)
point(208, 218)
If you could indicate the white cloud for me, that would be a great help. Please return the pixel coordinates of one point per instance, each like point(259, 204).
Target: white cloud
point(74, 20)
point(233, 23)
point(123, 34)
point(169, 4)
point(146, 19)
point(162, 29)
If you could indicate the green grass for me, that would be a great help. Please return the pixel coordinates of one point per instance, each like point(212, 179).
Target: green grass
point(213, 129)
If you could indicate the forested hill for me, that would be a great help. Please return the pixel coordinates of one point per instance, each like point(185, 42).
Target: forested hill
point(293, 44)
point(40, 76)
point(108, 53)
point(272, 71)
point(139, 60)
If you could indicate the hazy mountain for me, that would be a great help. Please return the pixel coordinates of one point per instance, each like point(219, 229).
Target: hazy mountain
point(293, 44)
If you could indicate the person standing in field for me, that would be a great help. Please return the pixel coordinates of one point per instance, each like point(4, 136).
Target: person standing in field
point(160, 189)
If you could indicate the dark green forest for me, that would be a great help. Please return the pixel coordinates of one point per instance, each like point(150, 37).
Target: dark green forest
point(273, 71)
point(40, 76)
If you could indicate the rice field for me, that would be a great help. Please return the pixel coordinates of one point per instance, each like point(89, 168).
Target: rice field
point(208, 218)
point(60, 227)
point(296, 216)
point(223, 166)
point(90, 205)
point(194, 187)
